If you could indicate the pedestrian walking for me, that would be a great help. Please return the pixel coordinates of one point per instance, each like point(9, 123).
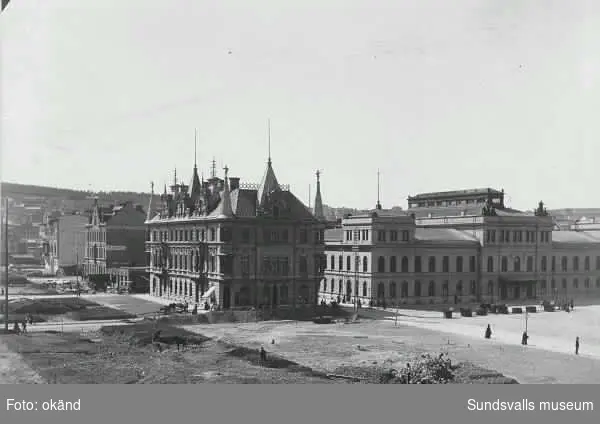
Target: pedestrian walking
point(572, 305)
point(577, 345)
point(263, 355)
point(524, 338)
point(488, 332)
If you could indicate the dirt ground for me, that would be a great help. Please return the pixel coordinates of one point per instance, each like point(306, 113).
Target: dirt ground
point(100, 359)
point(327, 347)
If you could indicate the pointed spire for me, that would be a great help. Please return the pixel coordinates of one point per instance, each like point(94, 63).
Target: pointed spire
point(213, 169)
point(318, 210)
point(149, 211)
point(175, 177)
point(269, 129)
point(226, 209)
point(378, 206)
point(196, 186)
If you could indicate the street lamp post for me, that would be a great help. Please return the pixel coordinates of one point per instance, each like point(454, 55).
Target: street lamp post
point(6, 264)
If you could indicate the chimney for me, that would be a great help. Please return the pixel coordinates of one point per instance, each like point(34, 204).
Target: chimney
point(234, 183)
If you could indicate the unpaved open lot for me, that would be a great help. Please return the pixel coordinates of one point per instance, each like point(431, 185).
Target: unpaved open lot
point(330, 346)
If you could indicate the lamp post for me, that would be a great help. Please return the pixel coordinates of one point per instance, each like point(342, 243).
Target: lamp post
point(6, 264)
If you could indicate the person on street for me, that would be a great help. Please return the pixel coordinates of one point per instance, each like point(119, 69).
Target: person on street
point(488, 332)
point(577, 345)
point(524, 338)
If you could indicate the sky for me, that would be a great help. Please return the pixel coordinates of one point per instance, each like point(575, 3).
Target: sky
point(436, 95)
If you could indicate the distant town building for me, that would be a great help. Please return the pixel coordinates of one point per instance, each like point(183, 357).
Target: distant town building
point(64, 243)
point(232, 244)
point(459, 247)
point(114, 238)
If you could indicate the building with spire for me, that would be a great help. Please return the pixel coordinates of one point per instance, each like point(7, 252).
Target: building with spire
point(235, 245)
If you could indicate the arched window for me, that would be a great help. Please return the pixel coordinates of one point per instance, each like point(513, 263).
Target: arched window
point(340, 287)
point(431, 291)
point(348, 263)
point(393, 267)
point(576, 263)
point(332, 285)
point(381, 264)
point(332, 262)
point(586, 263)
point(364, 289)
point(432, 264)
point(517, 264)
point(348, 288)
point(404, 264)
point(490, 264)
point(563, 263)
point(575, 283)
point(404, 291)
point(393, 292)
point(324, 285)
point(417, 288)
point(365, 264)
point(504, 264)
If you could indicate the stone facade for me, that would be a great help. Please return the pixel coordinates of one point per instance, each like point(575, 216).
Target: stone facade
point(477, 252)
point(234, 245)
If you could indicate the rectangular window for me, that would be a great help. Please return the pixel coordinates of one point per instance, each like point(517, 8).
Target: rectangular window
point(381, 235)
point(472, 264)
point(446, 264)
point(393, 235)
point(245, 235)
point(417, 264)
point(493, 236)
point(405, 235)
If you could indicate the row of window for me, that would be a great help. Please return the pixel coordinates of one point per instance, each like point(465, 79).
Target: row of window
point(382, 235)
point(192, 262)
point(96, 236)
point(516, 236)
point(564, 263)
point(391, 265)
point(418, 288)
point(269, 235)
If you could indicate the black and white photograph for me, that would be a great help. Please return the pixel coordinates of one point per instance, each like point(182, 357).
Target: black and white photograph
point(300, 192)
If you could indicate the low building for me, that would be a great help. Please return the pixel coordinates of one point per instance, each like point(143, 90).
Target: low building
point(459, 247)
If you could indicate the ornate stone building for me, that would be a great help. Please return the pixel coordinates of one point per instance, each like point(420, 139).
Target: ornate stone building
point(454, 247)
point(233, 244)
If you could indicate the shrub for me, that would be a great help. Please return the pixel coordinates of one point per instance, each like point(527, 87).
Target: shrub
point(427, 369)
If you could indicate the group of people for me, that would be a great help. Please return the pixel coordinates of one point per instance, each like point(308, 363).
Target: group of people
point(525, 337)
point(23, 328)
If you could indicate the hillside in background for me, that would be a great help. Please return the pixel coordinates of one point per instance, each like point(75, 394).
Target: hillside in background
point(69, 199)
